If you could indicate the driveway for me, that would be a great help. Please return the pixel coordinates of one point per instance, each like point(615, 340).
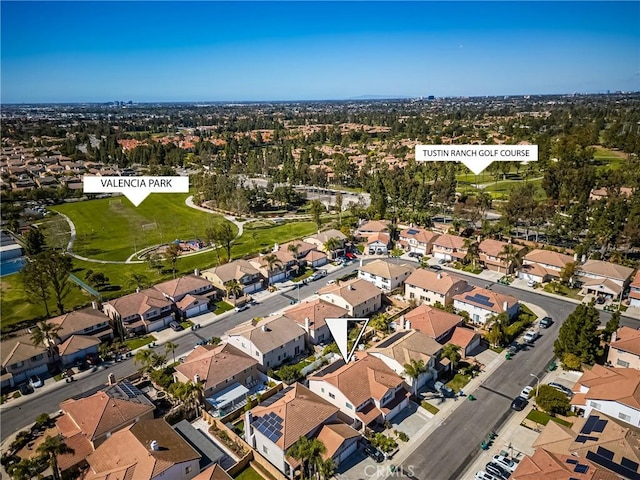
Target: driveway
point(410, 421)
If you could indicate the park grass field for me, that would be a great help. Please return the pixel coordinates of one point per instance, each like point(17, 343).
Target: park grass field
point(113, 229)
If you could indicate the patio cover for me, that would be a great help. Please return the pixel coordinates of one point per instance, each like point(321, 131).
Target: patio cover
point(227, 396)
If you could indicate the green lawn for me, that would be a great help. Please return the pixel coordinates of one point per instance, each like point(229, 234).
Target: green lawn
point(458, 382)
point(430, 408)
point(543, 418)
point(222, 307)
point(249, 474)
point(139, 342)
point(112, 228)
point(256, 237)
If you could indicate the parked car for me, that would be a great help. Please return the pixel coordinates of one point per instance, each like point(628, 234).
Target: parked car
point(600, 300)
point(25, 389)
point(35, 381)
point(562, 388)
point(330, 282)
point(175, 326)
point(417, 255)
point(526, 392)
point(443, 389)
point(374, 453)
point(504, 462)
point(531, 336)
point(546, 322)
point(482, 475)
point(531, 283)
point(435, 267)
point(82, 365)
point(519, 403)
point(242, 308)
point(442, 261)
point(497, 470)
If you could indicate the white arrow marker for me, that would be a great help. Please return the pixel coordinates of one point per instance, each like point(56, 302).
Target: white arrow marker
point(339, 331)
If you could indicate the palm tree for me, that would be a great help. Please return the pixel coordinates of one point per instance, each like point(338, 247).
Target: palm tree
point(192, 395)
point(271, 260)
point(331, 245)
point(294, 248)
point(309, 453)
point(170, 347)
point(45, 334)
point(137, 280)
point(473, 253)
point(145, 358)
point(234, 288)
point(511, 257)
point(51, 448)
point(413, 370)
point(452, 352)
point(327, 469)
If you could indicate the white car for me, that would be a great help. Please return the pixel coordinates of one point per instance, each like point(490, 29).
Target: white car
point(482, 475)
point(35, 381)
point(530, 336)
point(505, 462)
point(531, 283)
point(526, 391)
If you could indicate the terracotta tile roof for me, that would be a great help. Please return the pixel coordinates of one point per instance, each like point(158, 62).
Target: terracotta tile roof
point(407, 345)
point(323, 237)
point(139, 303)
point(269, 333)
point(432, 321)
point(214, 472)
point(620, 385)
point(548, 257)
point(609, 284)
point(381, 237)
point(189, 301)
point(450, 241)
point(422, 235)
point(355, 292)
point(374, 226)
point(316, 311)
point(538, 271)
point(19, 349)
point(183, 285)
point(636, 280)
point(462, 337)
point(439, 282)
point(606, 269)
point(303, 247)
point(333, 436)
point(82, 448)
point(128, 451)
point(235, 270)
point(627, 339)
point(77, 343)
point(215, 365)
point(387, 269)
point(367, 377)
point(494, 247)
point(78, 320)
point(314, 255)
point(302, 412)
point(497, 300)
point(544, 465)
point(99, 413)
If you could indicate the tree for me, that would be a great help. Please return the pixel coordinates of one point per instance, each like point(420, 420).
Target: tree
point(552, 401)
point(289, 374)
point(579, 335)
point(98, 279)
point(567, 272)
point(226, 236)
point(143, 357)
point(36, 283)
point(496, 333)
point(309, 453)
point(331, 245)
point(234, 288)
point(26, 469)
point(272, 260)
point(316, 210)
point(170, 347)
point(211, 235)
point(327, 469)
point(413, 370)
point(511, 257)
point(45, 334)
point(473, 252)
point(34, 242)
point(57, 267)
point(51, 448)
point(380, 322)
point(338, 206)
point(171, 254)
point(611, 327)
point(452, 352)
point(137, 280)
point(294, 248)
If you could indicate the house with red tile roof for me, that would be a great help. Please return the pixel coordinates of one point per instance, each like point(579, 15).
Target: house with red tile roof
point(543, 265)
point(624, 348)
point(449, 247)
point(493, 258)
point(607, 279)
point(378, 243)
point(418, 240)
point(311, 316)
point(428, 286)
point(482, 304)
point(612, 391)
point(634, 291)
point(544, 465)
point(359, 297)
point(365, 389)
point(143, 311)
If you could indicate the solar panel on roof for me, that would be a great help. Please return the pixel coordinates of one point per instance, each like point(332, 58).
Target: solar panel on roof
point(603, 452)
point(630, 464)
point(412, 231)
point(599, 426)
point(580, 468)
point(587, 428)
point(581, 439)
point(573, 461)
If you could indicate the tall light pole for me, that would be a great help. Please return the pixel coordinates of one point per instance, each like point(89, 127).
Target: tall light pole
point(537, 383)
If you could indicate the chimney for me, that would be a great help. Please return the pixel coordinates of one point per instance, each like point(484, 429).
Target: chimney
point(196, 272)
point(196, 378)
point(94, 305)
point(154, 445)
point(575, 257)
point(361, 260)
point(137, 289)
point(439, 276)
point(350, 287)
point(307, 322)
point(276, 247)
point(478, 239)
point(505, 306)
point(248, 418)
point(111, 379)
point(407, 325)
point(264, 328)
point(584, 258)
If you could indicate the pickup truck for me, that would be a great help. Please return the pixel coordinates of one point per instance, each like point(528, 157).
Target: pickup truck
point(531, 336)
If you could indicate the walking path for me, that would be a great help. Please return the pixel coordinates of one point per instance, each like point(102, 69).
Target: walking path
point(231, 218)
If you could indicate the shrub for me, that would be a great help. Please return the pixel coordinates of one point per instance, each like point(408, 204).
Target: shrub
point(552, 401)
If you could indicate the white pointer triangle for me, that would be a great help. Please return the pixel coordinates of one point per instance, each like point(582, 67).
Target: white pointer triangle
point(339, 331)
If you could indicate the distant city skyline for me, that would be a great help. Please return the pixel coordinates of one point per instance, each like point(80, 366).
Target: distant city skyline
point(68, 52)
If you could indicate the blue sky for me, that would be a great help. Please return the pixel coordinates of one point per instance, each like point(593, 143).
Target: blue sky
point(183, 51)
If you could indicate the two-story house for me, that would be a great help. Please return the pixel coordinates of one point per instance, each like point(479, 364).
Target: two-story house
point(612, 391)
point(449, 247)
point(372, 227)
point(603, 278)
point(282, 268)
point(21, 358)
point(242, 271)
point(176, 289)
point(311, 316)
point(543, 265)
point(321, 238)
point(143, 311)
point(492, 256)
point(385, 274)
point(482, 304)
point(402, 347)
point(87, 321)
point(367, 390)
point(225, 373)
point(378, 243)
point(359, 297)
point(271, 341)
point(417, 240)
point(634, 291)
point(273, 428)
point(428, 286)
point(624, 348)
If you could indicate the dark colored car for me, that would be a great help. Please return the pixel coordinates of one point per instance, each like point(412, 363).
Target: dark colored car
point(519, 403)
point(435, 267)
point(175, 326)
point(546, 322)
point(498, 470)
point(26, 389)
point(374, 453)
